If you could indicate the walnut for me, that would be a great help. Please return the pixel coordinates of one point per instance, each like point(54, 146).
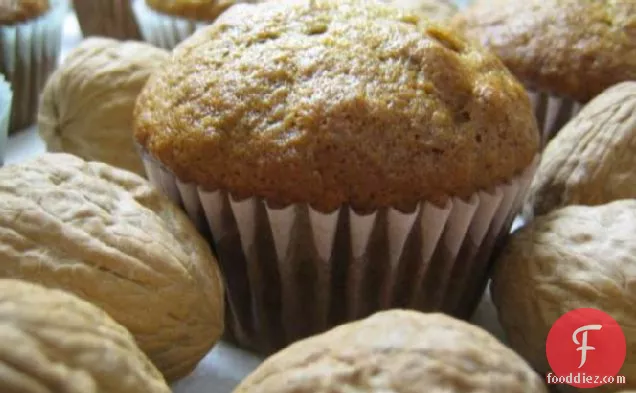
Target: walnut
point(400, 352)
point(87, 103)
point(107, 236)
point(573, 257)
point(52, 341)
point(591, 161)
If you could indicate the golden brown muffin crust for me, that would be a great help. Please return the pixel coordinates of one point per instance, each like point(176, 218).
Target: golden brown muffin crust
point(573, 48)
point(396, 351)
point(203, 10)
point(439, 10)
point(333, 103)
point(17, 11)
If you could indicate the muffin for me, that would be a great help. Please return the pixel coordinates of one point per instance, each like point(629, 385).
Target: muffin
point(5, 113)
point(438, 10)
point(165, 23)
point(343, 158)
point(87, 103)
point(107, 18)
point(564, 51)
point(400, 352)
point(576, 257)
point(30, 35)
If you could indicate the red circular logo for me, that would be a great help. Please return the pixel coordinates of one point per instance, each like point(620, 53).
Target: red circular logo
point(585, 348)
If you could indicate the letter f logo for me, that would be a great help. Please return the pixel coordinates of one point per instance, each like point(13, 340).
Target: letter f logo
point(584, 347)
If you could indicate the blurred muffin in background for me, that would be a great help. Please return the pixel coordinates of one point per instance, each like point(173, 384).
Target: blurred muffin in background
point(30, 37)
point(438, 10)
point(87, 103)
point(165, 23)
point(107, 18)
point(566, 52)
point(6, 96)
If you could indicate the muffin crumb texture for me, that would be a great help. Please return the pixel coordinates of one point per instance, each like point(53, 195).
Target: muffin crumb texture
point(309, 102)
point(203, 10)
point(570, 48)
point(18, 11)
point(396, 351)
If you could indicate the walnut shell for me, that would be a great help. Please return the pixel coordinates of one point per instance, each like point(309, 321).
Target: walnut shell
point(107, 236)
point(573, 257)
point(87, 103)
point(437, 10)
point(591, 161)
point(400, 352)
point(54, 342)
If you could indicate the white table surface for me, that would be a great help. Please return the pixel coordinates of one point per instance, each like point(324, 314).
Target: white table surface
point(224, 367)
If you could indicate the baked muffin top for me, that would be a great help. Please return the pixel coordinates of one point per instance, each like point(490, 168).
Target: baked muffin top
point(203, 10)
point(439, 10)
point(335, 102)
point(573, 48)
point(17, 11)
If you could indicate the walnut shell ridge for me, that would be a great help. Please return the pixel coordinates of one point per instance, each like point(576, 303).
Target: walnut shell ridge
point(53, 342)
point(107, 236)
point(87, 103)
point(591, 161)
point(573, 257)
point(396, 351)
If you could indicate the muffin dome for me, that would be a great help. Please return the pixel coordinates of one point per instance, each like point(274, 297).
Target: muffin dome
point(192, 9)
point(569, 48)
point(335, 102)
point(12, 11)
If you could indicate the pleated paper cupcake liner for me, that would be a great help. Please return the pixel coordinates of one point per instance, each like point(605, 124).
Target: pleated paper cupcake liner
point(30, 52)
point(107, 18)
point(162, 30)
point(552, 113)
point(5, 113)
point(294, 272)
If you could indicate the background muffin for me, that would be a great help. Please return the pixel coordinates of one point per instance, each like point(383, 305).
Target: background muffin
point(564, 51)
point(397, 351)
point(6, 96)
point(30, 34)
point(107, 18)
point(165, 23)
point(87, 103)
point(340, 172)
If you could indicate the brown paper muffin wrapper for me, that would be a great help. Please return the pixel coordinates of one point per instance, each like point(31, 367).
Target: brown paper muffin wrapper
point(6, 96)
point(162, 30)
point(294, 272)
point(29, 52)
point(552, 113)
point(107, 18)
